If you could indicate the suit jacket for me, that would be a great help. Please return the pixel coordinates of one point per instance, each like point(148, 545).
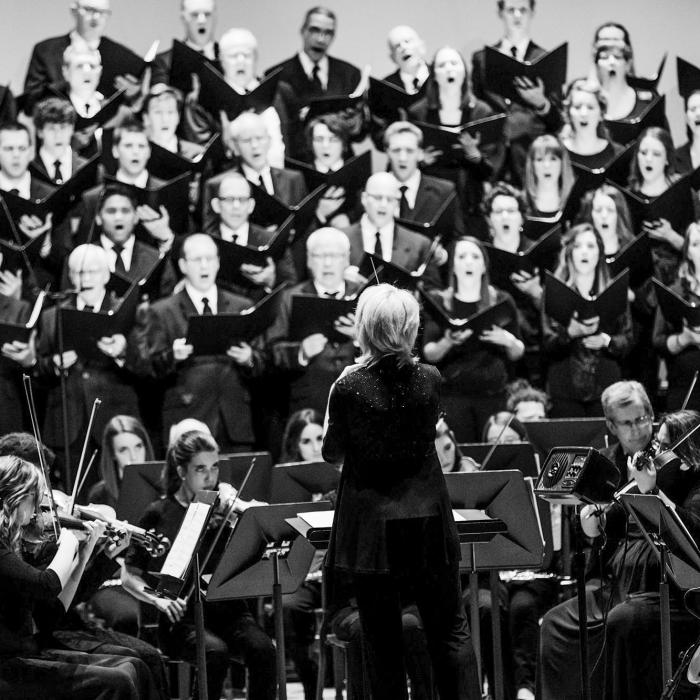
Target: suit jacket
point(38, 168)
point(86, 380)
point(45, 67)
point(11, 394)
point(309, 384)
point(683, 159)
point(164, 61)
point(284, 267)
point(88, 211)
point(295, 90)
point(409, 250)
point(289, 187)
point(211, 388)
point(381, 426)
point(432, 192)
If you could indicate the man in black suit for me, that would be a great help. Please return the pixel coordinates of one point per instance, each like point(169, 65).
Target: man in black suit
point(377, 232)
point(106, 375)
point(538, 112)
point(233, 205)
point(45, 65)
point(407, 51)
point(312, 365)
point(199, 20)
point(131, 149)
point(312, 73)
point(213, 388)
point(250, 141)
point(16, 152)
point(421, 196)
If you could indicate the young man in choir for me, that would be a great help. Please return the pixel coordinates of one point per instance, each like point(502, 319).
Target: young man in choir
point(421, 196)
point(132, 150)
point(538, 112)
point(213, 388)
point(250, 140)
point(16, 153)
point(199, 21)
point(313, 73)
point(106, 376)
point(407, 51)
point(54, 121)
point(233, 205)
point(161, 118)
point(45, 65)
point(377, 231)
point(313, 364)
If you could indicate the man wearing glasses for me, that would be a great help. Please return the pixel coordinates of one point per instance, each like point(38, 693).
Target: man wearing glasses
point(46, 63)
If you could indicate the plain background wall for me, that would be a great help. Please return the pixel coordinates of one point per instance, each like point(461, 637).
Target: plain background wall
point(655, 26)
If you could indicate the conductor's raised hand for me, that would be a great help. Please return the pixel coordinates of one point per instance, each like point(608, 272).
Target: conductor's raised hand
point(181, 350)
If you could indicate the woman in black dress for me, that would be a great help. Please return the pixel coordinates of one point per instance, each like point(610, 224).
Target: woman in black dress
point(393, 530)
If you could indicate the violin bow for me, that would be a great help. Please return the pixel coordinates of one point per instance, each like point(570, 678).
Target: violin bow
point(40, 449)
point(78, 483)
point(489, 454)
point(87, 471)
point(690, 391)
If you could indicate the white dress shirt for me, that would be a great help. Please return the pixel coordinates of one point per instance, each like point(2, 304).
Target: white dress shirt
point(80, 303)
point(254, 176)
point(423, 73)
point(412, 185)
point(369, 237)
point(66, 161)
point(520, 48)
point(87, 106)
point(197, 298)
point(23, 185)
point(308, 65)
point(126, 254)
point(140, 181)
point(227, 233)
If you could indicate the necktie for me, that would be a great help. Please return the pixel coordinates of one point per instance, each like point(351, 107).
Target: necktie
point(514, 52)
point(316, 85)
point(88, 308)
point(416, 84)
point(206, 309)
point(404, 209)
point(331, 295)
point(87, 109)
point(57, 174)
point(14, 191)
point(262, 185)
point(378, 246)
point(234, 238)
point(119, 262)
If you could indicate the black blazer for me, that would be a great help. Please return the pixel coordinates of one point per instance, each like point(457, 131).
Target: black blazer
point(164, 61)
point(11, 393)
point(431, 194)
point(684, 163)
point(45, 66)
point(37, 167)
point(381, 427)
point(211, 388)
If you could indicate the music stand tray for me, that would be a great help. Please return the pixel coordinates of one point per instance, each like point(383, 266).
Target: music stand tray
point(141, 485)
point(517, 455)
point(295, 482)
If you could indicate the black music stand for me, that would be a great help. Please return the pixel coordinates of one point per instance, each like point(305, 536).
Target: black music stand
point(234, 467)
point(264, 556)
point(561, 432)
point(517, 455)
point(679, 558)
point(506, 496)
point(295, 482)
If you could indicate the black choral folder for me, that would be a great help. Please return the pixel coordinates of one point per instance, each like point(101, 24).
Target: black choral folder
point(651, 82)
point(313, 314)
point(167, 165)
point(561, 301)
point(390, 101)
point(21, 332)
point(504, 262)
point(628, 129)
point(675, 309)
point(270, 211)
point(447, 139)
point(634, 256)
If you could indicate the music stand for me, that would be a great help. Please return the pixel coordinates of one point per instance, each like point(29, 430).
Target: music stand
point(295, 482)
point(506, 496)
point(560, 432)
point(233, 468)
point(264, 556)
point(518, 455)
point(679, 558)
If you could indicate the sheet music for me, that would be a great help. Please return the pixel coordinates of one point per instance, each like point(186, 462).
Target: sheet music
point(182, 550)
point(318, 519)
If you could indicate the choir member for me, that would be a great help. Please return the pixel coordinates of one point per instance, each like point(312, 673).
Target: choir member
point(606, 209)
point(548, 177)
point(687, 156)
point(33, 598)
point(313, 73)
point(585, 136)
point(211, 388)
point(107, 376)
point(393, 528)
point(536, 112)
point(526, 402)
point(192, 465)
point(449, 103)
point(475, 369)
point(45, 65)
point(583, 359)
point(421, 195)
point(407, 51)
point(313, 364)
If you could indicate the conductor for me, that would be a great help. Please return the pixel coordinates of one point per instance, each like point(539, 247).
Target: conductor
point(393, 531)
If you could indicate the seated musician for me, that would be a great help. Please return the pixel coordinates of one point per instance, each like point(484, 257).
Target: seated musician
point(192, 464)
point(30, 668)
point(107, 377)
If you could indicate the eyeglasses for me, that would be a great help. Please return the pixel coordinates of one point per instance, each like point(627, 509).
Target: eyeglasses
point(234, 200)
point(202, 259)
point(326, 256)
point(635, 423)
point(88, 11)
point(383, 197)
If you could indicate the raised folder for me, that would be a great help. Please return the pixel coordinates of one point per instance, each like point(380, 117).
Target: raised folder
point(272, 211)
point(499, 314)
point(628, 129)
point(21, 332)
point(651, 82)
point(675, 309)
point(313, 314)
point(500, 70)
point(440, 223)
point(503, 263)
point(186, 62)
point(688, 77)
point(167, 165)
point(390, 101)
point(214, 334)
point(561, 302)
point(634, 256)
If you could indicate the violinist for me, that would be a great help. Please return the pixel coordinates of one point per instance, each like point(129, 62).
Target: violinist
point(29, 668)
point(191, 465)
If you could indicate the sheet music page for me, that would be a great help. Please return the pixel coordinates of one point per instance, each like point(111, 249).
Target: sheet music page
point(318, 518)
point(182, 550)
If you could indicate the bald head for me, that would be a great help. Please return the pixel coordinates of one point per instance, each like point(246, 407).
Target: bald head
point(381, 198)
point(406, 48)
